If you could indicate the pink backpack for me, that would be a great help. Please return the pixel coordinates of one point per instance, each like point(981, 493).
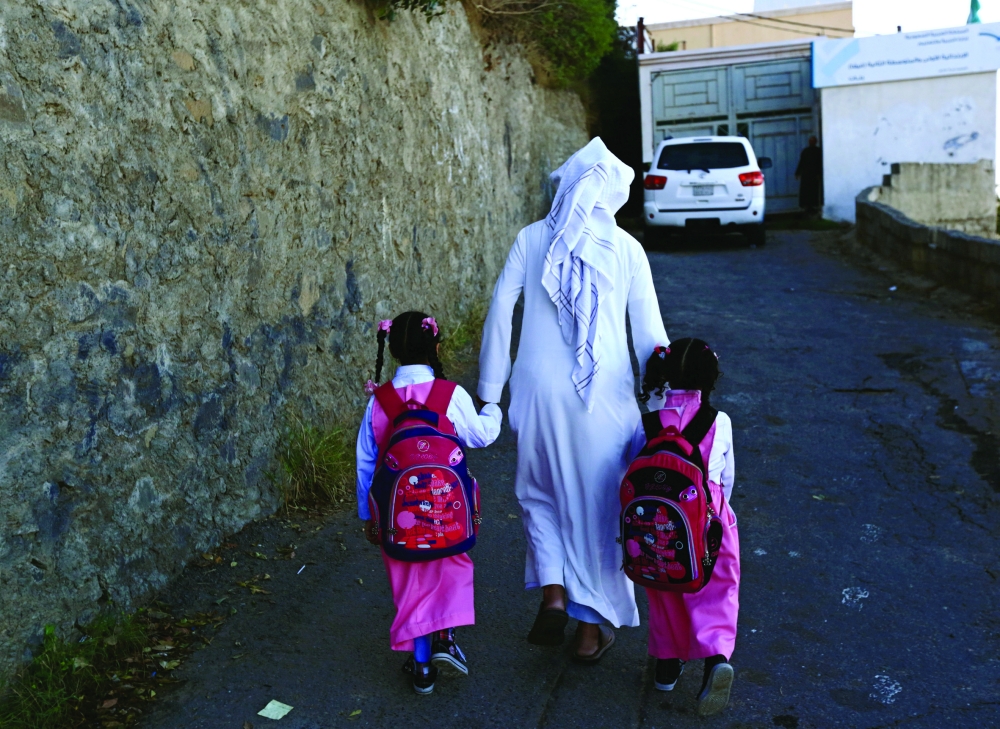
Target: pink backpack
point(670, 531)
point(423, 499)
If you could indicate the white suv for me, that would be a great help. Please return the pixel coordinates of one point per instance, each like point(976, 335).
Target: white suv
point(706, 182)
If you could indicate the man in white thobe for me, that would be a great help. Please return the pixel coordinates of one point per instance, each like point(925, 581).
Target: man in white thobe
point(573, 405)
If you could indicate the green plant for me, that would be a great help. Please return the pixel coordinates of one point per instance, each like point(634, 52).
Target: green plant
point(569, 36)
point(54, 690)
point(667, 47)
point(317, 465)
point(575, 35)
point(460, 346)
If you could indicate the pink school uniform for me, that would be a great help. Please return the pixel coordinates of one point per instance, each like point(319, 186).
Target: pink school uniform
point(436, 595)
point(701, 624)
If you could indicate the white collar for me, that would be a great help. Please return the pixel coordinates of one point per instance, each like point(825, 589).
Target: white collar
point(413, 374)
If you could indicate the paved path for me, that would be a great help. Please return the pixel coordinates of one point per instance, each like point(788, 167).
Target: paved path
point(866, 425)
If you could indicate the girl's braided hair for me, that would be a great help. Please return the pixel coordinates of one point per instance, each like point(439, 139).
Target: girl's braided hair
point(410, 342)
point(687, 364)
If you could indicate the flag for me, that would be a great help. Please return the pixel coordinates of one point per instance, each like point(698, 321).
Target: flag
point(973, 13)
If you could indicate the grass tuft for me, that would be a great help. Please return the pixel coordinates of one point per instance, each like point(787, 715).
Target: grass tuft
point(460, 346)
point(317, 465)
point(56, 689)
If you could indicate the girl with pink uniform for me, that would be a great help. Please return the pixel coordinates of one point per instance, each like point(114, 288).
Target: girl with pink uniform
point(431, 598)
point(684, 627)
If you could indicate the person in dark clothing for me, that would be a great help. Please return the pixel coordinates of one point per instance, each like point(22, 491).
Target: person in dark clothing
point(809, 173)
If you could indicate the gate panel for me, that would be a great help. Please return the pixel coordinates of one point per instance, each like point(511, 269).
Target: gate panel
point(772, 86)
point(782, 140)
point(682, 95)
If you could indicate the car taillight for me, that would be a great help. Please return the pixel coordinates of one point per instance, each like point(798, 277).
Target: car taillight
point(654, 182)
point(752, 179)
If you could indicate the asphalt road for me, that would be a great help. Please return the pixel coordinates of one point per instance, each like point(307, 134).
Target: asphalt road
point(866, 425)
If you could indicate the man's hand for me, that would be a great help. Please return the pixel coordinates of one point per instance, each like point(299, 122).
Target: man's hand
point(480, 404)
point(370, 533)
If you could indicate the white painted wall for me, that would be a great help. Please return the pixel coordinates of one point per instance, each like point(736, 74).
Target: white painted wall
point(866, 128)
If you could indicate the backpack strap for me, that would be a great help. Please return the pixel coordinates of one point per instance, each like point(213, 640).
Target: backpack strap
point(392, 404)
point(651, 424)
point(440, 397)
point(700, 424)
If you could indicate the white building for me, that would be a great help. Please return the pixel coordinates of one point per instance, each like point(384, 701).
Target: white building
point(929, 96)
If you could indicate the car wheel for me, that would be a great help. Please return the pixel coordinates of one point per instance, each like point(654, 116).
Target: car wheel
point(756, 235)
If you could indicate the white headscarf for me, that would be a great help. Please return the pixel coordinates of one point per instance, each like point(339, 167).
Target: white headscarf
point(591, 186)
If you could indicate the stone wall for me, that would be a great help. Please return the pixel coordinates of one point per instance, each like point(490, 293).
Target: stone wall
point(204, 207)
point(955, 196)
point(959, 260)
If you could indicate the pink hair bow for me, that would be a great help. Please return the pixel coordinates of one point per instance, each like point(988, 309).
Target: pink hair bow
point(385, 325)
point(429, 323)
point(370, 387)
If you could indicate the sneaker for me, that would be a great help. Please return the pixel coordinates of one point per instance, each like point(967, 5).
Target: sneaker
point(424, 676)
point(449, 658)
point(714, 696)
point(668, 670)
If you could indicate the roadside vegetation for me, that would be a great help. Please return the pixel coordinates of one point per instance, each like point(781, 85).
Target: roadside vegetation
point(460, 345)
point(566, 39)
point(105, 676)
point(316, 466)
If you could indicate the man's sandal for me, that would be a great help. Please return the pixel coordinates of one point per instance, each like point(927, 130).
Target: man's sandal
point(549, 627)
point(607, 639)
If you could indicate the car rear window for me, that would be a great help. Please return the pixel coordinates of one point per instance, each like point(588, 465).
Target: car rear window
point(703, 156)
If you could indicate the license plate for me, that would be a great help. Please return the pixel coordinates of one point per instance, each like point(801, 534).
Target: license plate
point(703, 190)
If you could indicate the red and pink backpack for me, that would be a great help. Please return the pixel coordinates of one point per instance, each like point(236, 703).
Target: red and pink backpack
point(670, 531)
point(423, 499)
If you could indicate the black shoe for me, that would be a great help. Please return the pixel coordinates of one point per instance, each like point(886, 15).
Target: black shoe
point(424, 675)
point(668, 670)
point(549, 627)
point(449, 658)
point(717, 682)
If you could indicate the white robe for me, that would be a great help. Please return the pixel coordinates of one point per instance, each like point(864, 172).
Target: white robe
point(570, 462)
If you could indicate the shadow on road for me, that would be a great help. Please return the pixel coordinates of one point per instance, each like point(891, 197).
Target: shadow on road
point(691, 242)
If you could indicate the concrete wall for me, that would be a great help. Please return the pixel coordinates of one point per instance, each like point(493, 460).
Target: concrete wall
point(868, 127)
point(955, 196)
point(961, 261)
point(205, 205)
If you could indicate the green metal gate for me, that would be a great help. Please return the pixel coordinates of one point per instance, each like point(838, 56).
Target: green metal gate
point(772, 104)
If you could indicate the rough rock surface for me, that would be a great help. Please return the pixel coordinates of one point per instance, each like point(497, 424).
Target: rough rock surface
point(204, 207)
